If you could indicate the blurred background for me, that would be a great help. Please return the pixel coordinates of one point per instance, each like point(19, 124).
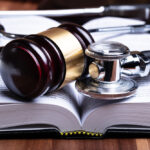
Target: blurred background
point(60, 4)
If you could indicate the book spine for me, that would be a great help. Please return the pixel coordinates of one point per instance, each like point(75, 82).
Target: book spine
point(80, 133)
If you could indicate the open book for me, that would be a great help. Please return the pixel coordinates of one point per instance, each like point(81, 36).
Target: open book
point(67, 110)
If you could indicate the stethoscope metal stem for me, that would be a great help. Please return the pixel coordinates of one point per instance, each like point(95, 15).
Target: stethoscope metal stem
point(55, 13)
point(127, 29)
point(137, 64)
point(141, 12)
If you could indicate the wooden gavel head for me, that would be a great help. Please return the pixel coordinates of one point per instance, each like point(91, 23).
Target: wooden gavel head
point(35, 64)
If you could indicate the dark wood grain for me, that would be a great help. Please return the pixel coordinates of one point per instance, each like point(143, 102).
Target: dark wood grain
point(49, 144)
point(17, 5)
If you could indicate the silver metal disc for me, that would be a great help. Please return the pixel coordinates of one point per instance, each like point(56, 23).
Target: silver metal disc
point(107, 50)
point(124, 88)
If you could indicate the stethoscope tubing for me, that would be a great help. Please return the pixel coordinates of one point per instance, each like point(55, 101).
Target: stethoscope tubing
point(128, 29)
point(141, 12)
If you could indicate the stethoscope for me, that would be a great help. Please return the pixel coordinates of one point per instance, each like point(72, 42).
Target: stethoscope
point(141, 12)
point(111, 60)
point(125, 29)
point(110, 71)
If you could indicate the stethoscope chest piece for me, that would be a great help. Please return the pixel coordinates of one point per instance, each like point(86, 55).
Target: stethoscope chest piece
point(105, 80)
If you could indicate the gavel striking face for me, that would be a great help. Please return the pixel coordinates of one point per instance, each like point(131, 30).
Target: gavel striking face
point(35, 64)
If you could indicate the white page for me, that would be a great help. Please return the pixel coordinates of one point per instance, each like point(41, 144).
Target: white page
point(25, 25)
point(111, 22)
point(133, 41)
point(64, 98)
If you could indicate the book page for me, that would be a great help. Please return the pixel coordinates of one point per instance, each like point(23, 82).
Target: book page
point(65, 97)
point(133, 41)
point(25, 25)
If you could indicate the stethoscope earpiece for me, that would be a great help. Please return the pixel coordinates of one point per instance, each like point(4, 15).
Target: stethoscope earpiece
point(105, 80)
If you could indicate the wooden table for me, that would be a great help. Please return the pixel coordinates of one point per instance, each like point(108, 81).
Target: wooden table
point(53, 144)
point(17, 5)
point(58, 144)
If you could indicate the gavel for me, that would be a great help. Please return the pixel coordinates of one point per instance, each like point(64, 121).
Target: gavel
point(36, 64)
point(45, 62)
